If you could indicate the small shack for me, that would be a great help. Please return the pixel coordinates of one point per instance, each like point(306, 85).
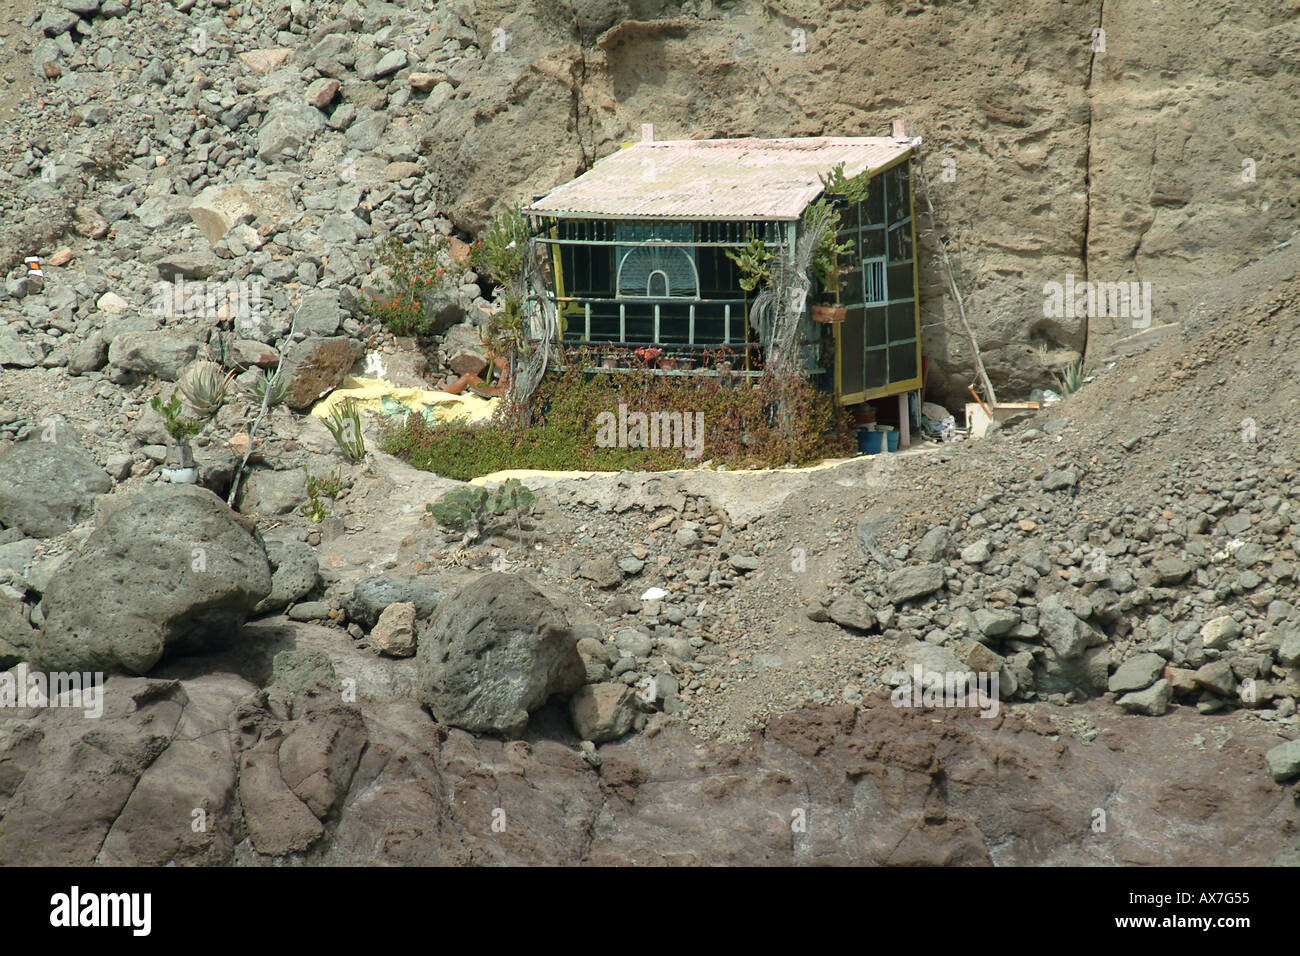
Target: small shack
point(634, 255)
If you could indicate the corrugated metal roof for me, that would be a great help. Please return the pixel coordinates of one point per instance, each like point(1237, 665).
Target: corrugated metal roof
point(771, 179)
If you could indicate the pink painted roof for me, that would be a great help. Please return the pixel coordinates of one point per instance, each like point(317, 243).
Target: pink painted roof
point(772, 179)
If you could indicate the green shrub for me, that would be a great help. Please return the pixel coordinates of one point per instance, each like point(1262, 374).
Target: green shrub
point(739, 428)
point(179, 428)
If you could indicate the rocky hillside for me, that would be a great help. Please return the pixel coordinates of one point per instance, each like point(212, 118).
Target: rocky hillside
point(684, 667)
point(1084, 125)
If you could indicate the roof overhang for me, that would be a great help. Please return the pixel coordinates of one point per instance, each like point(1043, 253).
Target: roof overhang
point(722, 179)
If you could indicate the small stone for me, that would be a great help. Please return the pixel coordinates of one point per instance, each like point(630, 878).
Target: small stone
point(1284, 761)
point(1171, 570)
point(1137, 673)
point(264, 61)
point(1217, 676)
point(1151, 702)
point(1219, 631)
point(390, 62)
point(322, 92)
point(394, 632)
point(852, 612)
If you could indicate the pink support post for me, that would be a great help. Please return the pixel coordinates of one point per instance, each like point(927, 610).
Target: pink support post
point(904, 423)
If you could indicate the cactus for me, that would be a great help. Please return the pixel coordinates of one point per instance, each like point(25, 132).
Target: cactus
point(468, 508)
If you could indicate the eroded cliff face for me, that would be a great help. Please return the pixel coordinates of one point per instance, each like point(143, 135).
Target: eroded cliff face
point(1106, 140)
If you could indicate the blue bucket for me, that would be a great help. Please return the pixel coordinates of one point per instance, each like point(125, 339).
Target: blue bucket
point(871, 443)
point(891, 438)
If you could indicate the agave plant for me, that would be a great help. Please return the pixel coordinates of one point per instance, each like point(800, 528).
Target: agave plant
point(344, 423)
point(271, 388)
point(1071, 378)
point(204, 386)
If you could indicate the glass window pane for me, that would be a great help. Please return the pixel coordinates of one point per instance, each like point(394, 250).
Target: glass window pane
point(876, 372)
point(900, 282)
point(876, 327)
point(873, 243)
point(900, 243)
point(902, 321)
point(902, 362)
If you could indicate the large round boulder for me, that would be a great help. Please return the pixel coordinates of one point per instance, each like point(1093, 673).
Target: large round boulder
point(48, 486)
point(497, 650)
point(171, 569)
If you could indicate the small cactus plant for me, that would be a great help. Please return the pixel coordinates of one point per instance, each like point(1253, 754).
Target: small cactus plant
point(468, 508)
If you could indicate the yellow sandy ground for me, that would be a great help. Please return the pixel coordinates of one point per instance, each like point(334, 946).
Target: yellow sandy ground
point(368, 392)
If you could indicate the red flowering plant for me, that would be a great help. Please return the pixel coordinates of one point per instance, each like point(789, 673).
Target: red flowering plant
point(648, 354)
point(413, 271)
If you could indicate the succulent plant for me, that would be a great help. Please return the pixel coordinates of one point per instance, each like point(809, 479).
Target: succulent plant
point(276, 385)
point(203, 387)
point(344, 423)
point(469, 507)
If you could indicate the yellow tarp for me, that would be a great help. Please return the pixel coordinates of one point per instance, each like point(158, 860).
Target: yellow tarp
point(368, 393)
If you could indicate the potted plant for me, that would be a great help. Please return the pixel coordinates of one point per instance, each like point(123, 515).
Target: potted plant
point(829, 312)
point(179, 465)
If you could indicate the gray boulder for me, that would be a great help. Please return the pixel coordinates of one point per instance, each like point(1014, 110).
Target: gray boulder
point(46, 487)
point(14, 351)
point(372, 595)
point(318, 313)
point(1151, 702)
point(1136, 673)
point(15, 633)
point(1063, 631)
point(287, 126)
point(1284, 761)
point(908, 584)
point(294, 572)
point(171, 569)
point(497, 650)
point(268, 492)
point(852, 612)
point(935, 545)
point(163, 353)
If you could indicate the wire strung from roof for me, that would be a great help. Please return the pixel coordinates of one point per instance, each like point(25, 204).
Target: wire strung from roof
point(981, 375)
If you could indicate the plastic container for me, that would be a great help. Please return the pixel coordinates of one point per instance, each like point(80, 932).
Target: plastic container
point(871, 442)
point(891, 439)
